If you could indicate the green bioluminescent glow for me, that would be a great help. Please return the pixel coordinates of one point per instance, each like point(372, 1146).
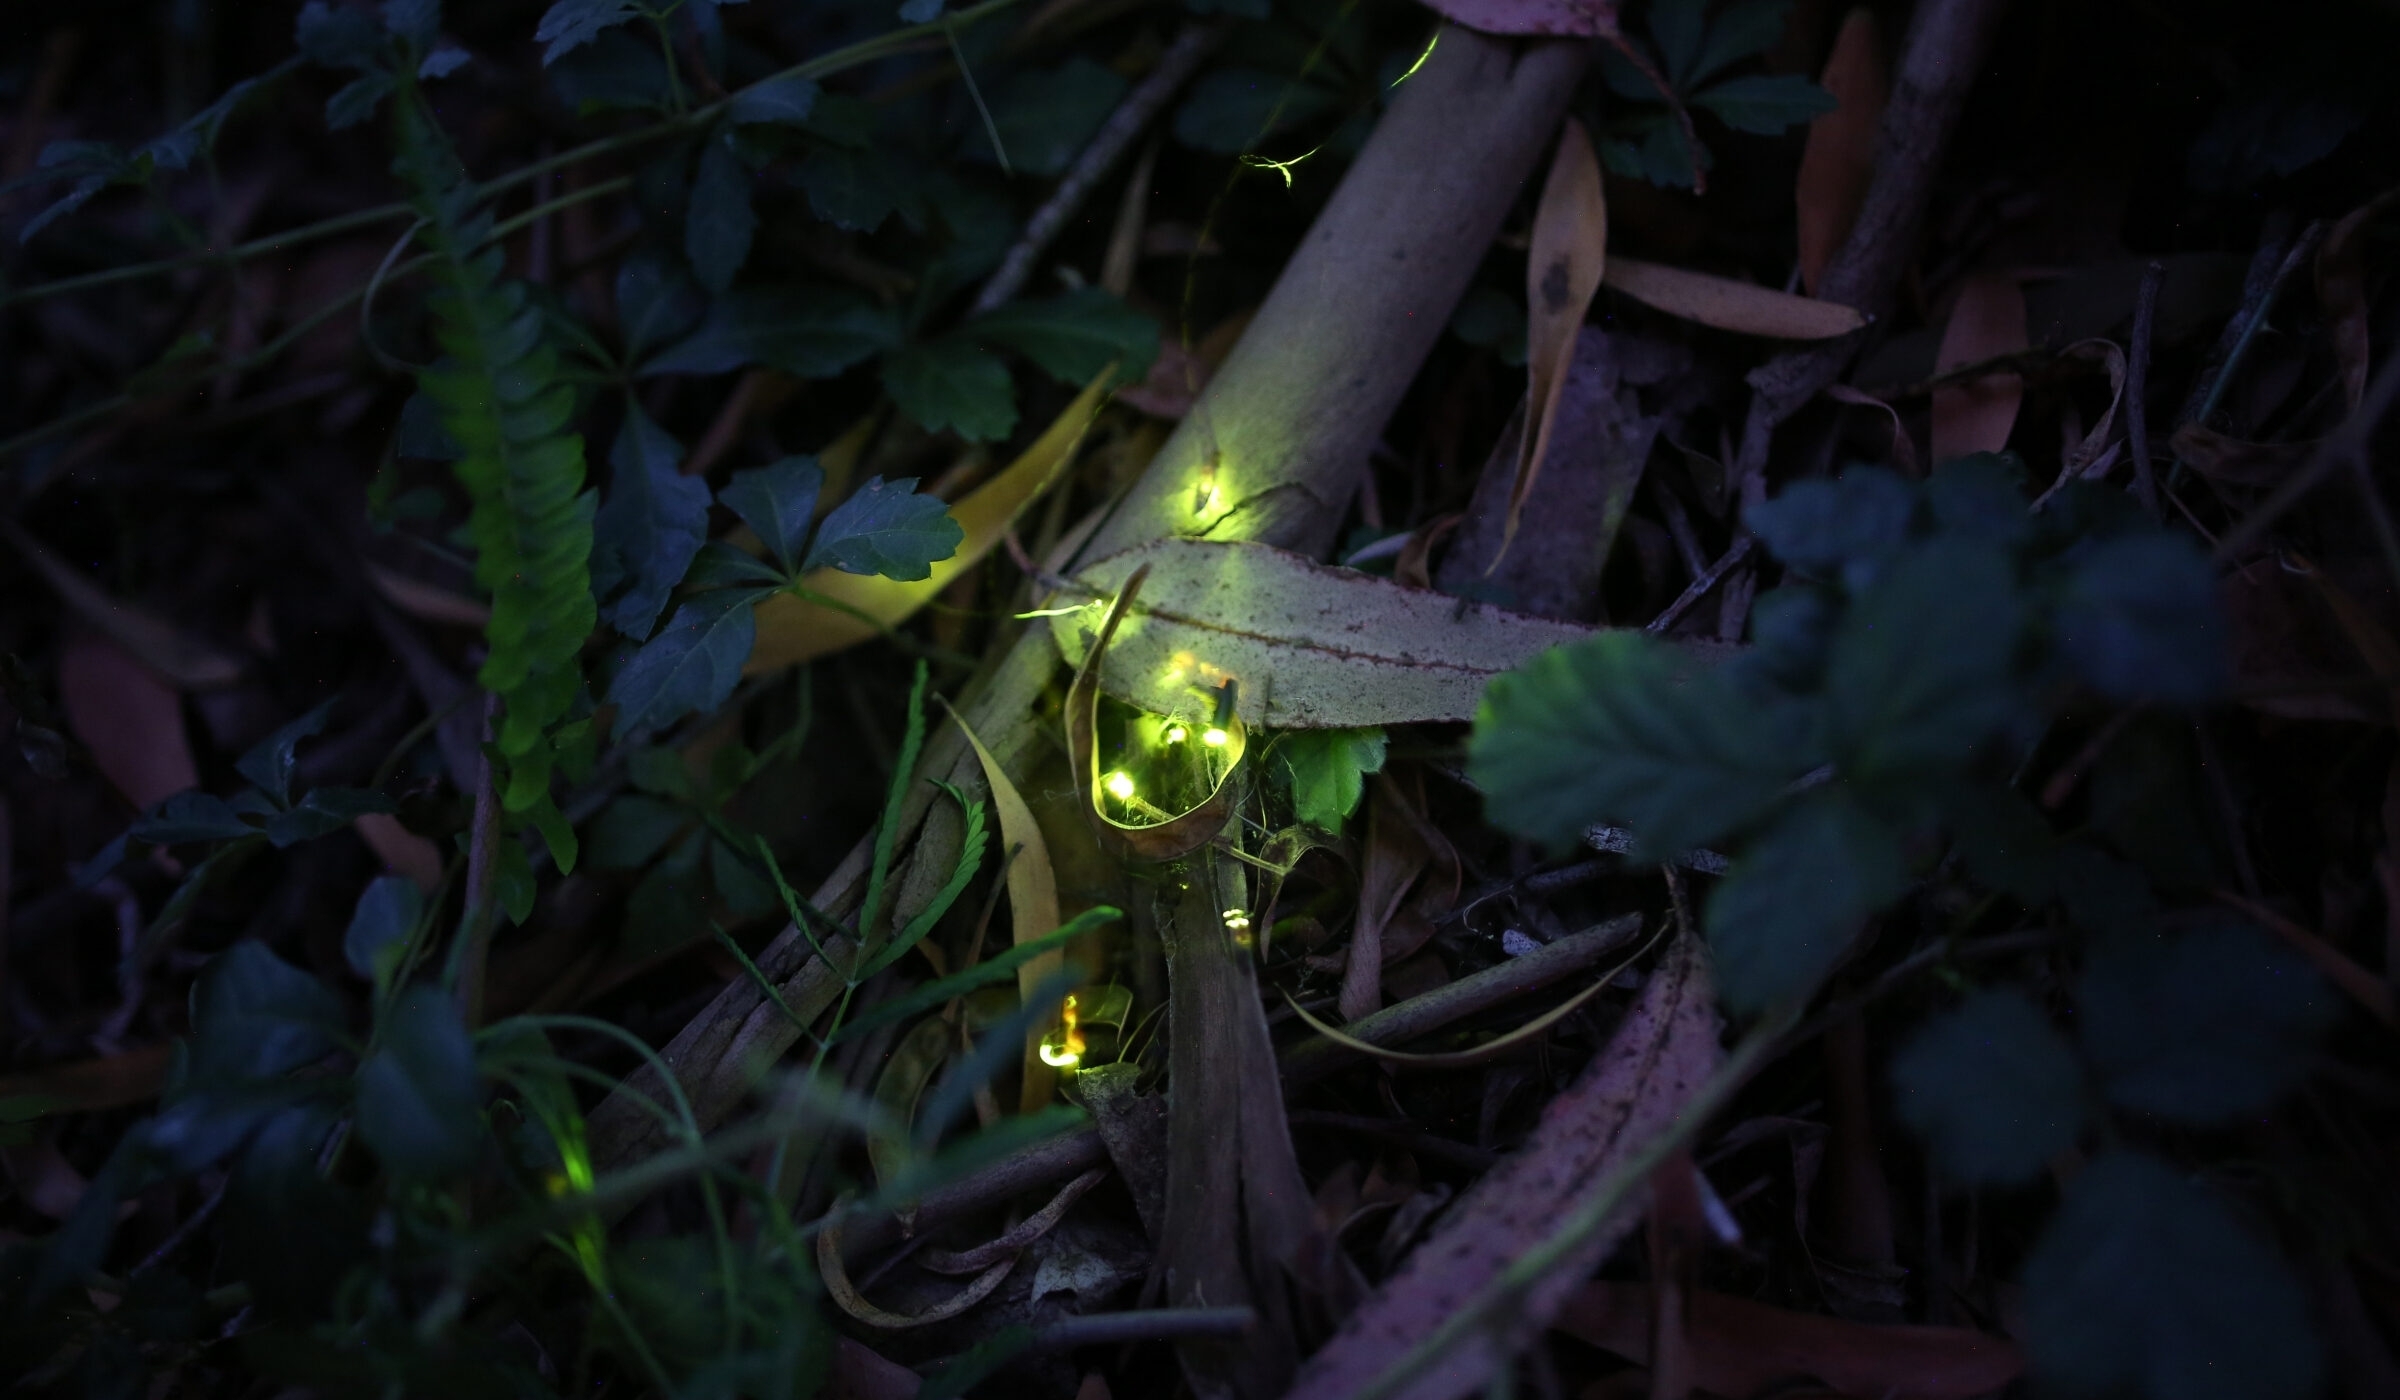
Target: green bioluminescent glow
point(1412, 68)
point(1280, 167)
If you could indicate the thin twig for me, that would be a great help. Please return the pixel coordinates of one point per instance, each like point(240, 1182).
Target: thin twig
point(483, 849)
point(2137, 385)
point(1698, 590)
point(1153, 1324)
point(1175, 67)
point(2349, 447)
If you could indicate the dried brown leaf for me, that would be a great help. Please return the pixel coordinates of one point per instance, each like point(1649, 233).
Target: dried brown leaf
point(2342, 290)
point(129, 718)
point(1742, 307)
point(1570, 250)
point(1032, 902)
point(1839, 160)
point(1988, 322)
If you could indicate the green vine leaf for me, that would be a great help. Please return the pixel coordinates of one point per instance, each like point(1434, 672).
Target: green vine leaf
point(887, 528)
point(1993, 1088)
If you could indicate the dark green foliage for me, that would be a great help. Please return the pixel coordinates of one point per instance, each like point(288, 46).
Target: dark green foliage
point(379, 929)
point(887, 528)
point(806, 331)
point(692, 664)
point(255, 1016)
point(1692, 48)
point(1231, 110)
point(2200, 1027)
point(2130, 619)
point(1075, 336)
point(718, 223)
point(2146, 1283)
point(1326, 770)
point(952, 385)
point(1046, 116)
point(418, 1092)
point(779, 504)
point(654, 522)
point(1623, 728)
point(1992, 1088)
point(1796, 897)
point(500, 396)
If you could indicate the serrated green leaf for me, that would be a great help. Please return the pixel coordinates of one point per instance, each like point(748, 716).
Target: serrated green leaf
point(657, 300)
point(1740, 30)
point(785, 99)
point(1074, 336)
point(853, 188)
point(2139, 618)
point(1841, 530)
point(1921, 669)
point(778, 502)
point(887, 528)
point(970, 860)
point(693, 663)
point(809, 332)
point(616, 71)
point(718, 222)
point(645, 535)
point(1992, 1088)
point(1327, 770)
point(2199, 1028)
point(1796, 898)
point(419, 1099)
point(1622, 728)
point(570, 24)
point(2145, 1283)
point(952, 385)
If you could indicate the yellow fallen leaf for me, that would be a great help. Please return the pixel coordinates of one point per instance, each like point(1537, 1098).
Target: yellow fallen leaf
point(1032, 902)
point(792, 630)
point(1742, 307)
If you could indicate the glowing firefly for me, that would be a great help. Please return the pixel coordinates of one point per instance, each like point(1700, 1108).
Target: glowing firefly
point(1119, 785)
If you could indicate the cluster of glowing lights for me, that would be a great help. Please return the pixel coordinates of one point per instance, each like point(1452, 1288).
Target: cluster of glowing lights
point(1063, 1048)
point(1119, 785)
point(1212, 736)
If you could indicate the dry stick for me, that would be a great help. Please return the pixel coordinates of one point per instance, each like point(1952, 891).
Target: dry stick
point(1154, 1324)
point(483, 849)
point(1699, 587)
point(2250, 319)
point(1316, 1057)
point(2137, 385)
point(1947, 42)
point(2349, 447)
point(1175, 67)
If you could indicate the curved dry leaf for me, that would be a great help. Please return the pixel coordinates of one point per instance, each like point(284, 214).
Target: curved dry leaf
point(1744, 308)
point(1570, 249)
point(420, 599)
point(1177, 833)
point(129, 718)
point(2341, 273)
point(1482, 1054)
point(1032, 902)
point(2229, 461)
point(402, 851)
point(1839, 160)
point(179, 658)
point(1036, 1225)
point(1987, 323)
point(1904, 448)
point(844, 1292)
point(1661, 1054)
point(792, 630)
point(1313, 646)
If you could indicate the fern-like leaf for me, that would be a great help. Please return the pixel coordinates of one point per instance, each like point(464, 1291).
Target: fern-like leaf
point(498, 392)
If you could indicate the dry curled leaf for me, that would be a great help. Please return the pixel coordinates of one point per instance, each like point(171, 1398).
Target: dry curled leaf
point(2342, 290)
point(1987, 323)
point(1744, 308)
point(1570, 248)
point(1839, 160)
point(129, 718)
point(846, 1294)
point(1032, 902)
point(1313, 647)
